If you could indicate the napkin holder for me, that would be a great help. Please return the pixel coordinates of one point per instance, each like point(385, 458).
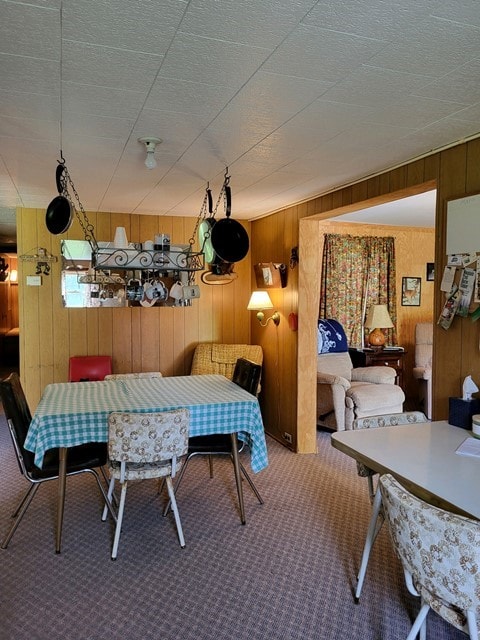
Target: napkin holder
point(460, 411)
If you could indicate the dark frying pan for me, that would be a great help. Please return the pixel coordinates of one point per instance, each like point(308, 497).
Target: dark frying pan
point(60, 211)
point(228, 238)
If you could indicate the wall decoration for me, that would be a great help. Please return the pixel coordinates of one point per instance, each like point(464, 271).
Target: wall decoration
point(270, 274)
point(430, 271)
point(411, 291)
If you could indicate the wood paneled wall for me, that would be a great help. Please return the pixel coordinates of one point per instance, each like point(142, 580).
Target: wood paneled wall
point(272, 240)
point(137, 338)
point(455, 173)
point(164, 338)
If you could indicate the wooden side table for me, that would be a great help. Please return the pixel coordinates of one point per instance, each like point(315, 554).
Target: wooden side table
point(385, 357)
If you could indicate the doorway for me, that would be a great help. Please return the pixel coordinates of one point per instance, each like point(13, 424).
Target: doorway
point(310, 243)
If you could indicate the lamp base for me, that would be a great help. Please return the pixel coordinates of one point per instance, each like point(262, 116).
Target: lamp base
point(376, 339)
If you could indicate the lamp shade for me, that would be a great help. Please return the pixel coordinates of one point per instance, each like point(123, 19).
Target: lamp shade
point(378, 317)
point(259, 300)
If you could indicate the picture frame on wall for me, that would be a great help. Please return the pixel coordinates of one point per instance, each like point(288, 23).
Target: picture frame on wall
point(430, 271)
point(411, 291)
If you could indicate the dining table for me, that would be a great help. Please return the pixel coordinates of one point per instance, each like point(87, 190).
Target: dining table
point(74, 413)
point(423, 458)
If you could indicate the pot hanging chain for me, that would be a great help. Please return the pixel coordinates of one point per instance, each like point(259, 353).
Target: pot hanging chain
point(86, 225)
point(225, 196)
point(206, 207)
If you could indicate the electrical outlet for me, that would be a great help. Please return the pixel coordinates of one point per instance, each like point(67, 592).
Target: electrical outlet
point(287, 436)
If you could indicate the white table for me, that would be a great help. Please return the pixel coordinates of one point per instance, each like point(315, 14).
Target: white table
point(422, 457)
point(74, 413)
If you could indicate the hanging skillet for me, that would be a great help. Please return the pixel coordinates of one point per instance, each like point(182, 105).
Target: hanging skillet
point(228, 238)
point(60, 211)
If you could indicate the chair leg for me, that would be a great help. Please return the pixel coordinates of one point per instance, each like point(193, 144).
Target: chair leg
point(419, 622)
point(251, 483)
point(177, 483)
point(107, 482)
point(109, 498)
point(118, 528)
point(373, 529)
point(19, 513)
point(173, 502)
point(210, 465)
point(472, 624)
point(371, 488)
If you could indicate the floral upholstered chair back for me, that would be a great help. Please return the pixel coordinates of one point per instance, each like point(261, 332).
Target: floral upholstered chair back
point(140, 443)
point(440, 551)
point(134, 376)
point(388, 420)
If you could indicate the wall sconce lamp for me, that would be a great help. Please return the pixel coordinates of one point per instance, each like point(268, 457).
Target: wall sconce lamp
point(260, 300)
point(378, 318)
point(150, 144)
point(13, 275)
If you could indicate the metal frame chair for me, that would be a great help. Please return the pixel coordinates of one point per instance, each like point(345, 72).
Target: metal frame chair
point(143, 446)
point(134, 376)
point(440, 554)
point(81, 459)
point(247, 375)
point(89, 368)
point(377, 518)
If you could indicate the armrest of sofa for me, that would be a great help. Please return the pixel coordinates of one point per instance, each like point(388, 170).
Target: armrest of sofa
point(375, 375)
point(329, 378)
point(422, 373)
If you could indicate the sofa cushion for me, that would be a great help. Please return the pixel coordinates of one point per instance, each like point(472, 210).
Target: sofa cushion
point(337, 364)
point(366, 397)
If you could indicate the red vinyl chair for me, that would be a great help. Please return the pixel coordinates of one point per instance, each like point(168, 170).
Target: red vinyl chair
point(89, 368)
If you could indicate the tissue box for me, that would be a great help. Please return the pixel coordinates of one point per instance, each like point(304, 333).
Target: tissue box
point(460, 411)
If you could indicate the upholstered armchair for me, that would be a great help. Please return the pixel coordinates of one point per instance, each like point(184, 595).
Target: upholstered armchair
point(345, 393)
point(212, 357)
point(423, 365)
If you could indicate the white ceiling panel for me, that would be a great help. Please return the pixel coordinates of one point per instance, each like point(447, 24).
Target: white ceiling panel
point(319, 54)
point(375, 19)
point(212, 61)
point(146, 27)
point(261, 24)
point(296, 97)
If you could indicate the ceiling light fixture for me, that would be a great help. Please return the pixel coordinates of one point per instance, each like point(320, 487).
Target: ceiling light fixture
point(150, 144)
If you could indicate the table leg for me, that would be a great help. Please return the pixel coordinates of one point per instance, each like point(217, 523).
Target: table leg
point(62, 482)
point(238, 476)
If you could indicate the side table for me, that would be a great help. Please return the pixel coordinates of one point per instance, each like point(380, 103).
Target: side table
point(375, 358)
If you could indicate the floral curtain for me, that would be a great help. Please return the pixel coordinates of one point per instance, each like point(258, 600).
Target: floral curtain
point(357, 271)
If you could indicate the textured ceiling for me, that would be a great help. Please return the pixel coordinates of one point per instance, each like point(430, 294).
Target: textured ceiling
point(296, 97)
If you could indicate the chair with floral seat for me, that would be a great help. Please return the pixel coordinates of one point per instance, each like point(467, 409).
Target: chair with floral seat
point(143, 446)
point(375, 422)
point(134, 376)
point(440, 554)
point(377, 517)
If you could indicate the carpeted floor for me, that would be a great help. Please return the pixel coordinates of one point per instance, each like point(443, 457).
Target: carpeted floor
point(287, 575)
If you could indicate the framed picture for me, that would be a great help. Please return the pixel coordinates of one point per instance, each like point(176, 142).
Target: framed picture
point(430, 271)
point(411, 291)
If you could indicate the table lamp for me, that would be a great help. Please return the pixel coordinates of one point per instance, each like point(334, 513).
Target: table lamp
point(378, 318)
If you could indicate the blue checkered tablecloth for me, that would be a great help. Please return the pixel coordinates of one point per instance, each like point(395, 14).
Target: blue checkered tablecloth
point(73, 413)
